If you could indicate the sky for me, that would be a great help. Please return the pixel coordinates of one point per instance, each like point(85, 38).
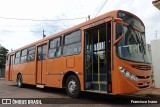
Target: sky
point(17, 33)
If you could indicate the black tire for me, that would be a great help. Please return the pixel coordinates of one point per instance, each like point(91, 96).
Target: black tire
point(73, 86)
point(19, 81)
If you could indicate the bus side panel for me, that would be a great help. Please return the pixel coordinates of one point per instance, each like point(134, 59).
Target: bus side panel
point(55, 70)
point(81, 79)
point(49, 73)
point(16, 70)
point(7, 73)
point(77, 67)
point(28, 79)
point(14, 77)
point(54, 80)
point(23, 71)
point(28, 72)
point(57, 67)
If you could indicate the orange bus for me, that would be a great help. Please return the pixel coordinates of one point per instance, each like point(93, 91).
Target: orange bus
point(107, 54)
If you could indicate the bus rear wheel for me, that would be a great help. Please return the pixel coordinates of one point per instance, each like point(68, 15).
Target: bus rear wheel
point(19, 81)
point(73, 86)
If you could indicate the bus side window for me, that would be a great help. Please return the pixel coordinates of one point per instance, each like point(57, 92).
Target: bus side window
point(42, 52)
point(44, 49)
point(39, 53)
point(23, 55)
point(55, 48)
point(72, 43)
point(17, 58)
point(31, 53)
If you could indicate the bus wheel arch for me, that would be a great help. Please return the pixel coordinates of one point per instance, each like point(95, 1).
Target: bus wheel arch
point(71, 78)
point(19, 80)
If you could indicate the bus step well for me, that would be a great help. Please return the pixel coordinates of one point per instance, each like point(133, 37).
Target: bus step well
point(101, 85)
point(40, 86)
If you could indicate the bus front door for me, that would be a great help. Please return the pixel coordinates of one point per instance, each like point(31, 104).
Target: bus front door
point(41, 64)
point(97, 58)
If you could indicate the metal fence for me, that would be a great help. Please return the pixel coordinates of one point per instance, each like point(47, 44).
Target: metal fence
point(2, 72)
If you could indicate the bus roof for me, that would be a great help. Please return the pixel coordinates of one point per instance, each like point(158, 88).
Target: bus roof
point(111, 13)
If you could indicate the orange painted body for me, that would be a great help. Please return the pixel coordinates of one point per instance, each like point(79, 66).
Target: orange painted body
point(51, 71)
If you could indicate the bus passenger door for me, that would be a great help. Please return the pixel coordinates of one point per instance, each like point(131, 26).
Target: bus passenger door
point(41, 64)
point(97, 58)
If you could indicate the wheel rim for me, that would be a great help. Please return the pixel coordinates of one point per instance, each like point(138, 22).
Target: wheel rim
point(19, 82)
point(72, 86)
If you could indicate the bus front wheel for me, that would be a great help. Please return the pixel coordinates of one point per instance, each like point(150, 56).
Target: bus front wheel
point(19, 81)
point(73, 86)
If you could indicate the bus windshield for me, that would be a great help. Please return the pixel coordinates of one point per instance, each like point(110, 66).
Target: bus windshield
point(133, 46)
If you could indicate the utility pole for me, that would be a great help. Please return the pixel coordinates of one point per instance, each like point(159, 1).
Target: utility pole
point(89, 17)
point(44, 34)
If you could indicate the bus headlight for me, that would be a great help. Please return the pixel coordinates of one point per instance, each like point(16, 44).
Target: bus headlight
point(128, 74)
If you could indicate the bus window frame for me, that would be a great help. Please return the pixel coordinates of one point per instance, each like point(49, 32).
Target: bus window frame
point(41, 55)
point(60, 46)
point(24, 55)
point(34, 48)
point(7, 60)
point(17, 57)
point(72, 42)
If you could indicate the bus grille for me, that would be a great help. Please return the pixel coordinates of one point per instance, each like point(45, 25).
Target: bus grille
point(141, 67)
point(142, 85)
point(143, 77)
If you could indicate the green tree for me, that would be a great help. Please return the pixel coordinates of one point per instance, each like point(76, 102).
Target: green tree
point(3, 55)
